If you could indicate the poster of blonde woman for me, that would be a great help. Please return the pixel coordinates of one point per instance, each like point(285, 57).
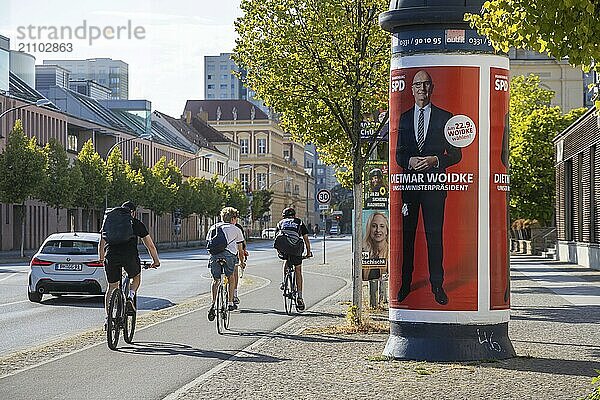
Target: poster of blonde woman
point(375, 244)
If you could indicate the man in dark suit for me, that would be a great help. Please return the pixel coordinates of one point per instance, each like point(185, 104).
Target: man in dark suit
point(422, 149)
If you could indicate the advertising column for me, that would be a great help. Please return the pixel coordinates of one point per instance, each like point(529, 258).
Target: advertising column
point(448, 258)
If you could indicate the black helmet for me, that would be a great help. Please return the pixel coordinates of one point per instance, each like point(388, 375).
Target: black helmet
point(129, 205)
point(288, 212)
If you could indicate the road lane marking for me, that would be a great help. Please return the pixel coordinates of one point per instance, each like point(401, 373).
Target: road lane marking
point(9, 276)
point(184, 389)
point(267, 282)
point(14, 302)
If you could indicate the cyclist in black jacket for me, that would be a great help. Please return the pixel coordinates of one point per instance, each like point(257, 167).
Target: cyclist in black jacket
point(290, 222)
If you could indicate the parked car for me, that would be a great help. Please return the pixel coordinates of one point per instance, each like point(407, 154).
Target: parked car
point(268, 233)
point(67, 263)
point(334, 230)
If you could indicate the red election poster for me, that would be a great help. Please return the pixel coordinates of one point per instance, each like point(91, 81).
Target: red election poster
point(499, 189)
point(434, 175)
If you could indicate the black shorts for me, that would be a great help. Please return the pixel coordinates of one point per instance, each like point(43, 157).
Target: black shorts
point(294, 260)
point(113, 265)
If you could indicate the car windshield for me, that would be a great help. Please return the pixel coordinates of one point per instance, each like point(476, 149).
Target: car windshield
point(70, 247)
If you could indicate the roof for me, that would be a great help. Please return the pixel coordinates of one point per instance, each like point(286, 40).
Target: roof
point(188, 131)
point(210, 133)
point(93, 236)
point(18, 89)
point(226, 110)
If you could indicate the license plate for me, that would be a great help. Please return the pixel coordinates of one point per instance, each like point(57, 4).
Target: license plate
point(68, 267)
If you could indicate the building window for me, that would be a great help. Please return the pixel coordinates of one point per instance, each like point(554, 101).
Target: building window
point(286, 154)
point(205, 164)
point(296, 189)
point(220, 168)
point(319, 162)
point(210, 96)
point(244, 146)
point(223, 95)
point(261, 145)
point(209, 76)
point(261, 181)
point(224, 76)
point(223, 67)
point(223, 86)
point(245, 180)
point(210, 68)
point(320, 171)
point(72, 143)
point(211, 86)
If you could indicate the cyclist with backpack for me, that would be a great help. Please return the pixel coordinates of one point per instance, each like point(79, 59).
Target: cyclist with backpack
point(118, 249)
point(225, 242)
point(291, 235)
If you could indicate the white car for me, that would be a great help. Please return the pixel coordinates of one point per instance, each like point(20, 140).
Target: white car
point(67, 263)
point(268, 233)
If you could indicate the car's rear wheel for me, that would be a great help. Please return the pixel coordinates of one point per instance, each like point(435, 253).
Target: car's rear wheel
point(34, 297)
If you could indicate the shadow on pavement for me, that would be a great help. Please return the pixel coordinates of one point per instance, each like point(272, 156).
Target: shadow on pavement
point(565, 314)
point(550, 366)
point(177, 349)
point(281, 312)
point(560, 290)
point(144, 303)
point(312, 338)
point(13, 271)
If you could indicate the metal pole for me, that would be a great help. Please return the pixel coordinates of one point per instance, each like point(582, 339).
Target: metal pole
point(324, 231)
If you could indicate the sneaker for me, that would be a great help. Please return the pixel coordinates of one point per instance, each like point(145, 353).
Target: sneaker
point(236, 300)
point(300, 304)
point(232, 307)
point(211, 314)
point(130, 307)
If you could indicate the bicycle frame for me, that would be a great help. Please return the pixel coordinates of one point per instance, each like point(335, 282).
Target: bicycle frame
point(223, 315)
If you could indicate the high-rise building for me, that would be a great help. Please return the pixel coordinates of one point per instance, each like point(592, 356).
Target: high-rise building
point(221, 81)
point(113, 74)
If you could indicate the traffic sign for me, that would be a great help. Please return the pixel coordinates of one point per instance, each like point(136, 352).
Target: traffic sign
point(323, 207)
point(324, 196)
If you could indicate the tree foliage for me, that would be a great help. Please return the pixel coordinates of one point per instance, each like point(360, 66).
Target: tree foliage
point(23, 166)
point(60, 185)
point(560, 28)
point(261, 203)
point(533, 126)
point(120, 188)
point(321, 64)
point(92, 167)
point(234, 196)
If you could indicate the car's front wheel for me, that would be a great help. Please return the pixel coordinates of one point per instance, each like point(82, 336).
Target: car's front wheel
point(34, 297)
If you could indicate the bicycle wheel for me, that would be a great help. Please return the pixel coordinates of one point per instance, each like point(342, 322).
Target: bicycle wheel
point(289, 294)
point(226, 312)
point(113, 327)
point(129, 324)
point(219, 310)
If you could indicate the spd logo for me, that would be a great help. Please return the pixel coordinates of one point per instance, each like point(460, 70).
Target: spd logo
point(397, 84)
point(501, 85)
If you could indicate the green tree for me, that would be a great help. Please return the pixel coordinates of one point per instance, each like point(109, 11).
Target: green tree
point(161, 184)
point(261, 203)
point(22, 169)
point(322, 65)
point(120, 188)
point(136, 170)
point(533, 126)
point(91, 195)
point(234, 196)
point(564, 28)
point(60, 185)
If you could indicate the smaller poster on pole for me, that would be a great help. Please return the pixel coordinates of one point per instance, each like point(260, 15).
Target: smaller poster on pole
point(375, 189)
point(375, 244)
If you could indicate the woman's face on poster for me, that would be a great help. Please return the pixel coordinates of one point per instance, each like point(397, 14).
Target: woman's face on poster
point(378, 228)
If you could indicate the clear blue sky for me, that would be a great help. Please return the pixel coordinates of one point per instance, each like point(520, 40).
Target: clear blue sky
point(166, 67)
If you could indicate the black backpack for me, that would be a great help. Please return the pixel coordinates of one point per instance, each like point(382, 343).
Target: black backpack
point(289, 242)
point(117, 227)
point(217, 241)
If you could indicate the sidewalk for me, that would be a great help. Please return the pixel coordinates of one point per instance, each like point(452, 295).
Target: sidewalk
point(554, 328)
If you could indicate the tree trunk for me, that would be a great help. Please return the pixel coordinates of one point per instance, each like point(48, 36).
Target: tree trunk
point(23, 217)
point(356, 251)
point(57, 220)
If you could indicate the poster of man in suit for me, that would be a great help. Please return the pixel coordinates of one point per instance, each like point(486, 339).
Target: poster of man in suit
point(433, 188)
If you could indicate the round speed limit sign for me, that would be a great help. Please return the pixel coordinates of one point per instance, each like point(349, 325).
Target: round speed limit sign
point(323, 196)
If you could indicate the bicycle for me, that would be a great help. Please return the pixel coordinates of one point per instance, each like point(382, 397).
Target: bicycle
point(221, 307)
point(290, 290)
point(118, 318)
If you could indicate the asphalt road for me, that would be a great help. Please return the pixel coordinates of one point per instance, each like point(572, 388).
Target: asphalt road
point(165, 356)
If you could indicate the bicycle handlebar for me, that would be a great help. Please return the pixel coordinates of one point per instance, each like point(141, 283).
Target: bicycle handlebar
point(147, 264)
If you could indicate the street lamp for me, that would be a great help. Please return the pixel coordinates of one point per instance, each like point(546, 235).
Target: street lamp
point(276, 182)
point(194, 158)
point(38, 103)
point(235, 169)
point(253, 179)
